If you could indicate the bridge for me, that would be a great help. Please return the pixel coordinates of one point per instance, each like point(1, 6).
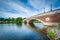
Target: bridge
point(47, 18)
point(50, 18)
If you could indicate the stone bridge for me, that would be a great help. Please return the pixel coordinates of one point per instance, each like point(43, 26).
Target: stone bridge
point(47, 18)
point(50, 18)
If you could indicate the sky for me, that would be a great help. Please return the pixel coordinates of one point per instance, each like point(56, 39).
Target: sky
point(26, 8)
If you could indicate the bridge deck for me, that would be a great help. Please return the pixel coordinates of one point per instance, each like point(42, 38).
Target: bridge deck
point(47, 13)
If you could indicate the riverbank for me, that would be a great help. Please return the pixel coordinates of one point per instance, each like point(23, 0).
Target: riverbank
point(52, 32)
point(11, 20)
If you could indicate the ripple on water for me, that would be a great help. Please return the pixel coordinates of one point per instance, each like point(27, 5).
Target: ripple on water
point(13, 32)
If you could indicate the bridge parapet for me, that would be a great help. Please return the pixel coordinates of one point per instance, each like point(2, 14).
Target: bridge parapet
point(47, 17)
point(47, 13)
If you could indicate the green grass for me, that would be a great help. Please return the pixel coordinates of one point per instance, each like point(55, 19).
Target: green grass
point(50, 33)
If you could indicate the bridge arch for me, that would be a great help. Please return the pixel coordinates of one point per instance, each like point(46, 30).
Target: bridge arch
point(32, 20)
point(39, 30)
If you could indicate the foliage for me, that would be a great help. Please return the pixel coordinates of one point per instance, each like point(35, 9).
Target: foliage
point(58, 25)
point(58, 39)
point(50, 33)
point(1, 19)
point(11, 20)
point(36, 21)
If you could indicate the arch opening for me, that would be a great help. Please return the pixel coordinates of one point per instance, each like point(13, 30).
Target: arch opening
point(35, 23)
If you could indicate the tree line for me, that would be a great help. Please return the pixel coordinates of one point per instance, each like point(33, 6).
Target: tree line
point(11, 20)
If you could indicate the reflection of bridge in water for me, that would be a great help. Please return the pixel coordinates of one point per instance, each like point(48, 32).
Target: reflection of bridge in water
point(48, 18)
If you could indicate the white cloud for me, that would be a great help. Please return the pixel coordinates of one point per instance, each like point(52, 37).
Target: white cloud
point(37, 3)
point(8, 14)
point(22, 10)
point(41, 4)
point(25, 11)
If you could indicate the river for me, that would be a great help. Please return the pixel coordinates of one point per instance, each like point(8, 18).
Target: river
point(16, 32)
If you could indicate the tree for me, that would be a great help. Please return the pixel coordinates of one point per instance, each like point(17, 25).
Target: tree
point(19, 20)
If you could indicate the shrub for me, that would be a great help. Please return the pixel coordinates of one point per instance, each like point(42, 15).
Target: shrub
point(50, 33)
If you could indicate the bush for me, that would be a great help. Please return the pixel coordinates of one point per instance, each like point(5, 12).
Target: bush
point(50, 33)
point(58, 39)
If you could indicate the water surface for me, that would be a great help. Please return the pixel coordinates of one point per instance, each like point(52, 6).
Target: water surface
point(16, 32)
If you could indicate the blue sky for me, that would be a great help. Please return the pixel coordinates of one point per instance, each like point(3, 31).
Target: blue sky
point(26, 8)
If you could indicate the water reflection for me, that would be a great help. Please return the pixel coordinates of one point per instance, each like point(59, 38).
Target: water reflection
point(39, 25)
point(14, 32)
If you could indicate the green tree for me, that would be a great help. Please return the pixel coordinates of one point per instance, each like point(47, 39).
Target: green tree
point(13, 20)
point(1, 19)
point(19, 20)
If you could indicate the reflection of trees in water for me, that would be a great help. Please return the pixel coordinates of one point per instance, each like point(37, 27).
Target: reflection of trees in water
point(19, 24)
point(17, 21)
